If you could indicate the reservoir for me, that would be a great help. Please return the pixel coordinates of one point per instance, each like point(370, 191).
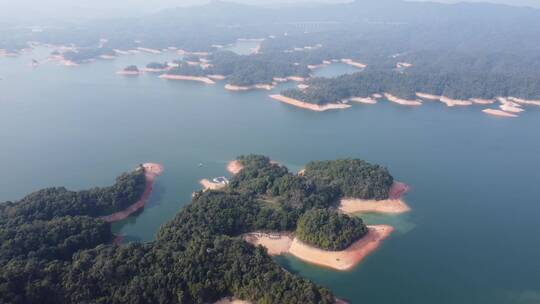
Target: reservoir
point(472, 235)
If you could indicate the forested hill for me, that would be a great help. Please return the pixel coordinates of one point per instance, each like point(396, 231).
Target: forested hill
point(49, 256)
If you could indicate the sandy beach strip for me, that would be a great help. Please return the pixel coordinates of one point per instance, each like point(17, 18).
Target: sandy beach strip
point(148, 50)
point(216, 77)
point(275, 243)
point(234, 167)
point(393, 205)
point(455, 102)
point(354, 63)
point(128, 73)
point(525, 101)
point(151, 171)
point(309, 106)
point(364, 100)
point(500, 113)
point(205, 80)
point(210, 185)
point(259, 86)
point(401, 101)
point(427, 96)
point(346, 259)
point(482, 101)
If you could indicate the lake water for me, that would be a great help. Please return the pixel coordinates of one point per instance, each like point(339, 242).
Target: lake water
point(473, 234)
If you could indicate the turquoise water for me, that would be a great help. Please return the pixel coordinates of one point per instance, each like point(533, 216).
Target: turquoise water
point(472, 236)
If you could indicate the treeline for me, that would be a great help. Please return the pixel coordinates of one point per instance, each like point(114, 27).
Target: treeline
point(352, 177)
point(49, 203)
point(330, 230)
point(407, 84)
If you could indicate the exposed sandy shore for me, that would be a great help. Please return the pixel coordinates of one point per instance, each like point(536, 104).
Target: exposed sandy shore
point(482, 101)
point(302, 86)
point(500, 113)
point(354, 63)
point(509, 106)
point(259, 86)
point(234, 167)
point(364, 100)
point(210, 185)
point(151, 70)
point(428, 96)
point(230, 300)
point(393, 205)
point(455, 102)
point(148, 50)
point(403, 65)
point(296, 78)
point(525, 101)
point(446, 100)
point(346, 259)
point(69, 63)
point(190, 78)
point(151, 171)
point(275, 243)
point(216, 77)
point(403, 102)
point(310, 106)
point(107, 57)
point(128, 73)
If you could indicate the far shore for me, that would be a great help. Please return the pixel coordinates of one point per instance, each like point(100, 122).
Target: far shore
point(393, 205)
point(401, 101)
point(129, 73)
point(151, 171)
point(259, 86)
point(286, 243)
point(310, 106)
point(189, 78)
point(364, 100)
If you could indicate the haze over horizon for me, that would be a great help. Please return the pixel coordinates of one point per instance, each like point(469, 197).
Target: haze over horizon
point(28, 11)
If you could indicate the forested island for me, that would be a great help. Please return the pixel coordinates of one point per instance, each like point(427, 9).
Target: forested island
point(329, 230)
point(56, 246)
point(406, 85)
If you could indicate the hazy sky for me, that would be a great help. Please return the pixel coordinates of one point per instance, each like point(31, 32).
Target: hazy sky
point(45, 10)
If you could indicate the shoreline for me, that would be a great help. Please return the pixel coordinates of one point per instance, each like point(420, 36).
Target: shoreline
point(346, 259)
point(309, 106)
point(234, 167)
point(499, 113)
point(393, 205)
point(151, 171)
point(364, 100)
point(401, 101)
point(259, 86)
point(129, 73)
point(286, 243)
point(205, 80)
point(210, 185)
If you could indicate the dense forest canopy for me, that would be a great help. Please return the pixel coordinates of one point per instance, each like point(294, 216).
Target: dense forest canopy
point(330, 230)
point(352, 177)
point(407, 84)
point(496, 54)
point(55, 249)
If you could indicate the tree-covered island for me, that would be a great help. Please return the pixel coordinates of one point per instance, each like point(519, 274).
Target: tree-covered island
point(56, 248)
